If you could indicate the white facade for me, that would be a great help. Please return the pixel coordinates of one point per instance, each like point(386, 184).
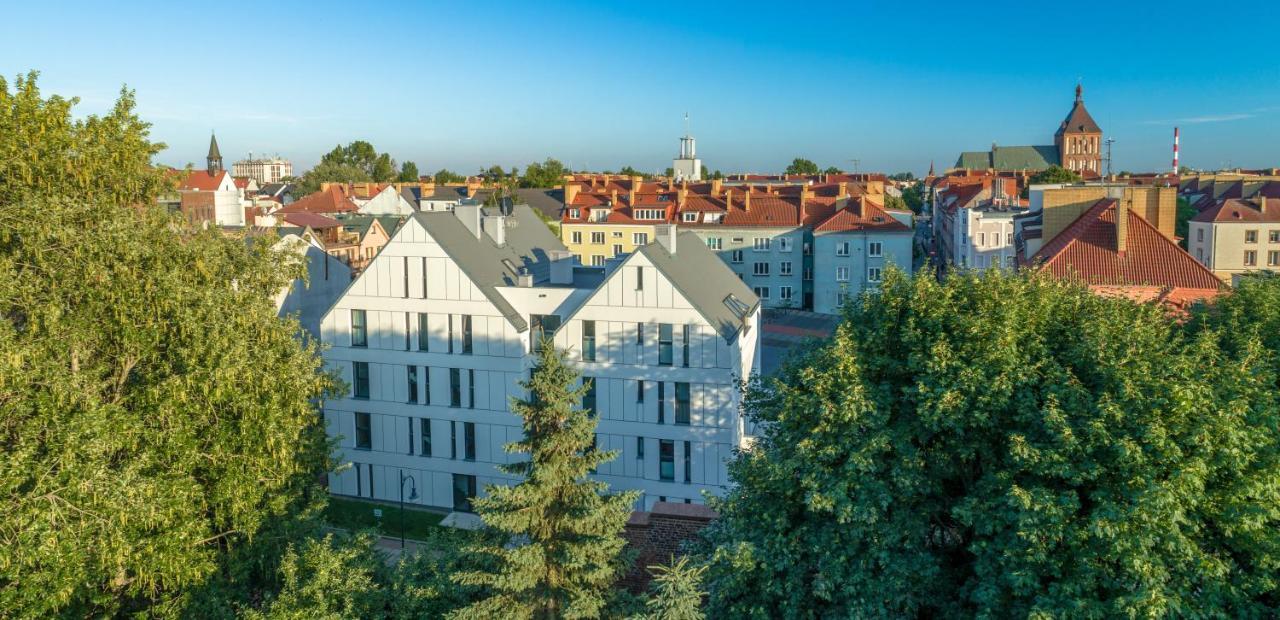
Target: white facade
point(389, 201)
point(848, 263)
point(466, 345)
point(263, 170)
point(327, 278)
point(1232, 248)
point(983, 237)
point(687, 167)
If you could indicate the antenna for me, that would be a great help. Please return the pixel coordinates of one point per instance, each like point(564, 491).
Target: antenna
point(686, 124)
point(1109, 142)
point(855, 163)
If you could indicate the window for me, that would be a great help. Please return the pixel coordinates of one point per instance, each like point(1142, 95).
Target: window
point(576, 236)
point(359, 329)
point(464, 490)
point(455, 387)
point(784, 268)
point(543, 326)
point(471, 388)
point(982, 240)
point(466, 334)
point(842, 248)
point(684, 335)
point(413, 383)
point(640, 448)
point(1273, 258)
point(597, 238)
point(650, 214)
point(617, 234)
point(364, 432)
point(1250, 258)
point(640, 391)
point(715, 243)
point(784, 293)
point(450, 319)
point(575, 214)
point(1250, 236)
point(424, 433)
point(666, 459)
point(1200, 235)
point(424, 332)
point(407, 331)
point(468, 441)
point(760, 244)
point(640, 334)
point(426, 385)
point(842, 298)
point(1200, 254)
point(689, 216)
point(1008, 239)
point(842, 274)
point(1273, 236)
point(639, 238)
point(617, 249)
point(735, 256)
point(662, 402)
point(589, 396)
point(360, 376)
point(873, 274)
point(784, 244)
point(597, 260)
point(874, 249)
point(664, 344)
point(453, 440)
point(405, 266)
point(588, 341)
point(760, 269)
point(682, 403)
point(688, 465)
point(808, 274)
point(761, 291)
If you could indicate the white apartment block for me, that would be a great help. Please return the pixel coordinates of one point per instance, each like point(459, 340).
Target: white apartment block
point(264, 171)
point(435, 335)
point(1236, 236)
point(984, 236)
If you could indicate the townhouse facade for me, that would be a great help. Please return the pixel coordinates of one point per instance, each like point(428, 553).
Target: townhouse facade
point(1236, 236)
point(435, 336)
point(973, 221)
point(263, 170)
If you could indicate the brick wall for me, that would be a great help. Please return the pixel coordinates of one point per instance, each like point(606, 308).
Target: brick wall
point(656, 536)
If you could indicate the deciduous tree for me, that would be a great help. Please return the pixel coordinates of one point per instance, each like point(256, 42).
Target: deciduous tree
point(801, 165)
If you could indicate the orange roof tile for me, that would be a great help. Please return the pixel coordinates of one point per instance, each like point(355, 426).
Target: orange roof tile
point(202, 180)
point(331, 200)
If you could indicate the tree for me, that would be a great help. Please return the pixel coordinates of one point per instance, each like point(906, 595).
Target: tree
point(903, 176)
point(832, 170)
point(894, 202)
point(384, 169)
point(330, 578)
point(408, 172)
point(717, 175)
point(801, 165)
point(676, 592)
point(706, 174)
point(1054, 174)
point(357, 162)
point(632, 172)
point(913, 195)
point(1008, 446)
point(549, 173)
point(329, 172)
point(444, 175)
point(669, 172)
point(161, 446)
point(564, 528)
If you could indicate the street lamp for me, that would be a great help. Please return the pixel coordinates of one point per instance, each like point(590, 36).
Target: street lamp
point(413, 494)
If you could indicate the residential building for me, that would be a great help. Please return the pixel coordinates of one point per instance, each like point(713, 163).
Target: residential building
point(264, 170)
point(1077, 145)
point(855, 247)
point(437, 332)
point(327, 278)
point(1237, 235)
point(387, 200)
point(212, 195)
point(973, 221)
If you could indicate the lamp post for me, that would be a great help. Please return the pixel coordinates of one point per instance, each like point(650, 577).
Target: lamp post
point(413, 494)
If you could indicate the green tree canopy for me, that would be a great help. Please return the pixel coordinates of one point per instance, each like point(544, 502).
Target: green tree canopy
point(568, 526)
point(903, 176)
point(160, 442)
point(1010, 446)
point(1054, 174)
point(354, 163)
point(408, 172)
point(894, 202)
point(832, 170)
point(801, 165)
point(913, 196)
point(676, 591)
point(444, 175)
point(328, 172)
point(632, 172)
point(549, 173)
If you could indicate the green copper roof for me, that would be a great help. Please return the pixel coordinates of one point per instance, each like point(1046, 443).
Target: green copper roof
point(1010, 158)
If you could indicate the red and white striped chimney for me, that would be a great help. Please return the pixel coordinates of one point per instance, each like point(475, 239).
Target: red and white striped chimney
point(1175, 150)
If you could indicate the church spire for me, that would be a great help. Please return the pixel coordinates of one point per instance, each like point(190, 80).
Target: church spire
point(214, 159)
point(1079, 93)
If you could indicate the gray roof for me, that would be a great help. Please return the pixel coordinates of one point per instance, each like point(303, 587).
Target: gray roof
point(276, 189)
point(489, 265)
point(548, 201)
point(1010, 158)
point(361, 223)
point(706, 282)
point(447, 192)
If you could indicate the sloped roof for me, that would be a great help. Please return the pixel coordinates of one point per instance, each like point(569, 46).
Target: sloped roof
point(1078, 119)
point(214, 153)
point(330, 200)
point(1240, 210)
point(202, 180)
point(314, 220)
point(860, 214)
point(706, 282)
point(1011, 158)
point(549, 202)
point(1087, 251)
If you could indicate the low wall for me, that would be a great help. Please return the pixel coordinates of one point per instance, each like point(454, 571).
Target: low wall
point(656, 536)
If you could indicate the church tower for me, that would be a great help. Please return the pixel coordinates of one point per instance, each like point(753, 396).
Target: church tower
point(1079, 140)
point(214, 159)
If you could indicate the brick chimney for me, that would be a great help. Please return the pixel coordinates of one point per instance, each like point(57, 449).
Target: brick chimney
point(613, 197)
point(806, 194)
point(728, 197)
point(682, 194)
point(842, 190)
point(716, 185)
point(1122, 226)
point(571, 192)
point(746, 199)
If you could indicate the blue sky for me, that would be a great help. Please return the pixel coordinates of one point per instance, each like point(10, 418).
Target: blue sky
point(602, 85)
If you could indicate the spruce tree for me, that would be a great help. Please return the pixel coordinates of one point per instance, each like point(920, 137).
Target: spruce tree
point(562, 530)
point(676, 591)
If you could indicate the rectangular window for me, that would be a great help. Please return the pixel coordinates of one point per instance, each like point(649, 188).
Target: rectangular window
point(842, 248)
point(1273, 258)
point(364, 431)
point(715, 243)
point(784, 244)
point(873, 274)
point(1008, 239)
point(682, 403)
point(359, 329)
point(760, 269)
point(410, 425)
point(453, 440)
point(597, 238)
point(982, 240)
point(617, 249)
point(424, 427)
point(360, 379)
point(664, 344)
point(542, 326)
point(466, 334)
point(597, 260)
point(842, 274)
point(1273, 236)
point(640, 448)
point(761, 291)
point(1250, 236)
point(576, 236)
point(784, 268)
point(1250, 258)
point(736, 256)
point(471, 388)
point(684, 335)
point(450, 333)
point(413, 383)
point(688, 464)
point(666, 460)
point(662, 402)
point(589, 396)
point(640, 391)
point(640, 334)
point(639, 238)
point(424, 277)
point(464, 490)
point(689, 216)
point(455, 387)
point(575, 214)
point(408, 333)
point(842, 298)
point(469, 441)
point(639, 278)
point(784, 293)
point(426, 385)
point(1200, 235)
point(874, 249)
point(588, 341)
point(760, 244)
point(405, 265)
point(424, 332)
point(808, 274)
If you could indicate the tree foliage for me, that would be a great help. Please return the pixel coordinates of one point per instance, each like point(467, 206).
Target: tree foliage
point(1054, 174)
point(801, 165)
point(408, 172)
point(676, 591)
point(444, 175)
point(159, 437)
point(632, 172)
point(564, 528)
point(913, 196)
point(328, 172)
point(356, 162)
point(1011, 446)
point(549, 173)
point(832, 170)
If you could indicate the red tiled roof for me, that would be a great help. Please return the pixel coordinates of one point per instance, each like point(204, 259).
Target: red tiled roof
point(766, 210)
point(314, 220)
point(242, 182)
point(202, 180)
point(1087, 251)
point(860, 214)
point(1238, 210)
point(331, 200)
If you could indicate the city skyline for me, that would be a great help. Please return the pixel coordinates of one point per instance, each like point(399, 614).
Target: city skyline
point(604, 87)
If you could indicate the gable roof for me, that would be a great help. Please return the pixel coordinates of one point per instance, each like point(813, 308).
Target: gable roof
point(1078, 119)
point(857, 215)
point(202, 180)
point(1036, 157)
point(1240, 210)
point(312, 220)
point(706, 282)
point(329, 200)
point(1087, 251)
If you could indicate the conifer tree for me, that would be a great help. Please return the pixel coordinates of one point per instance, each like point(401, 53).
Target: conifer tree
point(676, 591)
point(562, 529)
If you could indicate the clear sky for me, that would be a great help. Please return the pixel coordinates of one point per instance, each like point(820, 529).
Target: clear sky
point(601, 85)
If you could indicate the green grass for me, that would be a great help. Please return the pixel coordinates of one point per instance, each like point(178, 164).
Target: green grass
point(352, 514)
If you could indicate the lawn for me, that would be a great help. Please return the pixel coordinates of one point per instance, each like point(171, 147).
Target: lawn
point(354, 515)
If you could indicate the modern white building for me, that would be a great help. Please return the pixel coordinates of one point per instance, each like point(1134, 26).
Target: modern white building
point(264, 171)
point(437, 332)
point(1236, 235)
point(388, 201)
point(687, 167)
point(327, 278)
point(973, 219)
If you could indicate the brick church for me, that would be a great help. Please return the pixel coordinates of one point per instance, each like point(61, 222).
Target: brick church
point(1077, 146)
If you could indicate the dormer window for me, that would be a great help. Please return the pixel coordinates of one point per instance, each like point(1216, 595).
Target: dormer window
point(599, 215)
point(574, 214)
point(649, 214)
point(690, 216)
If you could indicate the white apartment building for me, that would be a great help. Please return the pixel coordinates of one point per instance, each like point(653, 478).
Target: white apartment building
point(437, 332)
point(264, 171)
point(1236, 236)
point(973, 222)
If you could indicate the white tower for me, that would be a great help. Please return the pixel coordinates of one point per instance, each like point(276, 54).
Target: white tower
point(687, 167)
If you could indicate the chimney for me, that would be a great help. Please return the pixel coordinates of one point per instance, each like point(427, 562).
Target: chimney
point(746, 199)
point(716, 185)
point(806, 194)
point(496, 227)
point(636, 180)
point(571, 192)
point(671, 184)
point(469, 215)
point(682, 194)
point(524, 279)
point(631, 196)
point(665, 235)
point(842, 190)
point(1122, 226)
point(613, 197)
point(728, 198)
